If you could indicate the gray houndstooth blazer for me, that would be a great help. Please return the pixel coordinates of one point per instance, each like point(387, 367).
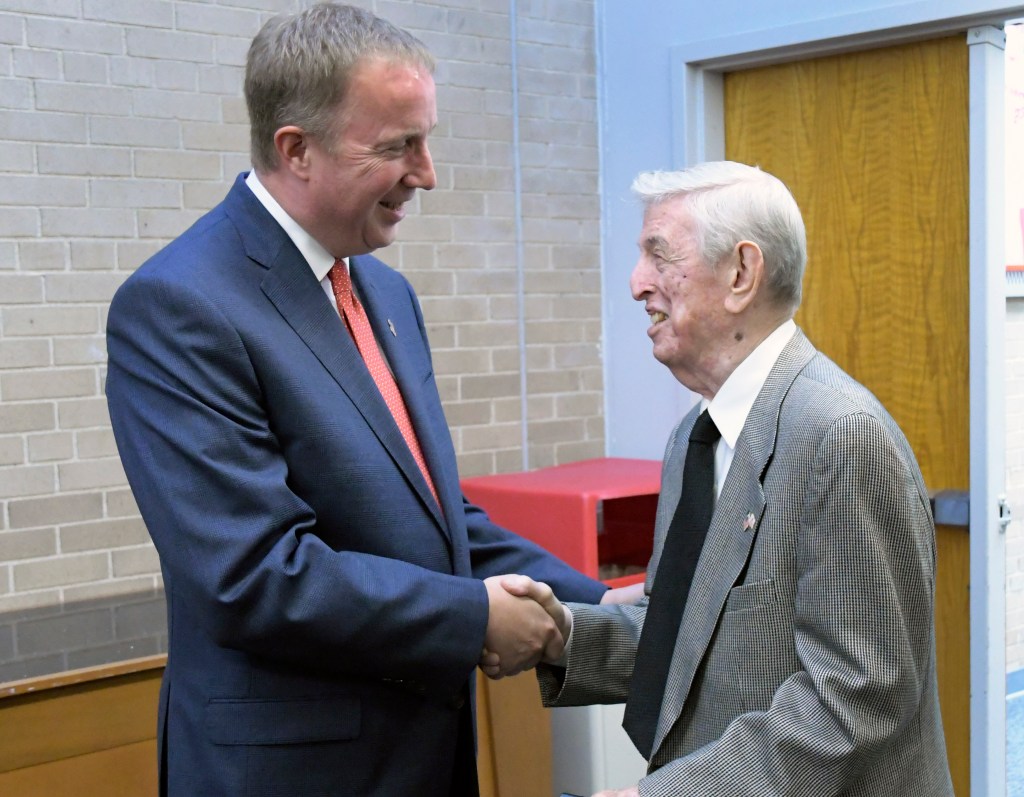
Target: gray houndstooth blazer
point(805, 662)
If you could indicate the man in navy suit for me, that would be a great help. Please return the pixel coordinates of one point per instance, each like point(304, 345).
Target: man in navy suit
point(329, 596)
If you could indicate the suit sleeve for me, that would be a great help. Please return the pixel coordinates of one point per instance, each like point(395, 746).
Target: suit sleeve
point(863, 620)
point(234, 539)
point(496, 551)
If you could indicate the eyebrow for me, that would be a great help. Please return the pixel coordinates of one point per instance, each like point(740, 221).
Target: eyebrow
point(657, 244)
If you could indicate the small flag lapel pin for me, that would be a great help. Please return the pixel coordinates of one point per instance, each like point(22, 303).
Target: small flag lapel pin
point(391, 326)
point(749, 521)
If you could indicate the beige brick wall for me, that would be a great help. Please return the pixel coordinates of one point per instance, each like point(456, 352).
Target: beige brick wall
point(121, 122)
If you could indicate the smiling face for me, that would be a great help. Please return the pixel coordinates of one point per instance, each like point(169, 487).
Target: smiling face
point(684, 296)
point(358, 185)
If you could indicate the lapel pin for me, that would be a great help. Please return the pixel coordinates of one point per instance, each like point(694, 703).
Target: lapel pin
point(749, 521)
point(391, 326)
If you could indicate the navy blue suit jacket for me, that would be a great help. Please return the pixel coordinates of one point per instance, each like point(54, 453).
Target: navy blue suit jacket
point(325, 618)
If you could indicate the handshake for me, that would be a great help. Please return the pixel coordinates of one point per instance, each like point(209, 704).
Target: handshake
point(526, 624)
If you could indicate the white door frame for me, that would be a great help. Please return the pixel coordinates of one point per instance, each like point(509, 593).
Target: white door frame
point(699, 134)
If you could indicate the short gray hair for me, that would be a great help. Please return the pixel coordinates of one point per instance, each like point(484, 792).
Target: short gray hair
point(299, 66)
point(732, 202)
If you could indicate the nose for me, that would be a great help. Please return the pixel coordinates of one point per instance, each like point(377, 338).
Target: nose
point(421, 170)
point(640, 279)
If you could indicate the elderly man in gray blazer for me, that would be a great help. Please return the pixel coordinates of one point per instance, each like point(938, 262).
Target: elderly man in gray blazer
point(800, 658)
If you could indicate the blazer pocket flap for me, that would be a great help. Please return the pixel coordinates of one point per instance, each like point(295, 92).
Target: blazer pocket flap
point(282, 721)
point(751, 596)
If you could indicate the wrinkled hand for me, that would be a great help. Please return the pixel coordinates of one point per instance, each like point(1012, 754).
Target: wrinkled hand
point(632, 791)
point(631, 593)
point(520, 627)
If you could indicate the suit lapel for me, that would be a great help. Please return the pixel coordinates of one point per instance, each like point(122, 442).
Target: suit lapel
point(290, 286)
point(398, 344)
point(730, 539)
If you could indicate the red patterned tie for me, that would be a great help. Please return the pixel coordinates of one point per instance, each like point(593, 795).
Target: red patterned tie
point(359, 325)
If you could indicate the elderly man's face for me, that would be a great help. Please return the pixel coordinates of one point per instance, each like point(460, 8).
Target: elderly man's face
point(360, 184)
point(684, 296)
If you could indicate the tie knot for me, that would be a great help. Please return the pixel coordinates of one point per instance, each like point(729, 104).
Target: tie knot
point(704, 430)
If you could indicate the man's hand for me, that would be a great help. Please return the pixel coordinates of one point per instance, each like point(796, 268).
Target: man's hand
point(631, 593)
point(526, 587)
point(520, 630)
point(632, 791)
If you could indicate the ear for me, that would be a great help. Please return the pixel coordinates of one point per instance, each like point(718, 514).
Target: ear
point(746, 275)
point(292, 145)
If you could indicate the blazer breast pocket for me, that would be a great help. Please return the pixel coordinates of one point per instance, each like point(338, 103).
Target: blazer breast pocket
point(759, 594)
point(291, 721)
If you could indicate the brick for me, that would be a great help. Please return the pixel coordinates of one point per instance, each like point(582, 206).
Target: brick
point(214, 19)
point(231, 51)
point(170, 45)
point(83, 413)
point(24, 354)
point(87, 222)
point(51, 447)
point(35, 190)
point(580, 450)
point(63, 383)
point(132, 254)
point(203, 196)
point(86, 68)
point(158, 104)
point(12, 452)
point(12, 29)
point(29, 417)
point(44, 64)
point(220, 79)
point(92, 255)
point(135, 561)
point(88, 287)
point(95, 443)
point(21, 289)
point(88, 37)
point(218, 137)
point(17, 157)
point(79, 351)
point(121, 503)
point(490, 333)
point(491, 436)
point(60, 571)
point(102, 535)
point(25, 480)
point(27, 544)
point(175, 76)
point(48, 320)
point(134, 132)
point(90, 160)
point(165, 223)
point(55, 510)
point(18, 223)
point(42, 255)
point(147, 13)
point(177, 164)
point(92, 474)
point(135, 72)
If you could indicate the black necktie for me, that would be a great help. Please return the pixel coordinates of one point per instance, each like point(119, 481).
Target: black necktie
point(672, 585)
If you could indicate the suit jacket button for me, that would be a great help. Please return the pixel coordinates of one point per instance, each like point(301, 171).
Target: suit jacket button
point(457, 701)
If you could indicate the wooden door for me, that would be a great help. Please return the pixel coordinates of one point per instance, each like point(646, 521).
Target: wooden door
point(874, 146)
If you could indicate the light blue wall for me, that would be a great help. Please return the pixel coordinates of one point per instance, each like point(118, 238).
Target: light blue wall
point(637, 42)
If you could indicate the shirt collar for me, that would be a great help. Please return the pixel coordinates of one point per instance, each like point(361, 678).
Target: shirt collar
point(731, 405)
point(318, 258)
